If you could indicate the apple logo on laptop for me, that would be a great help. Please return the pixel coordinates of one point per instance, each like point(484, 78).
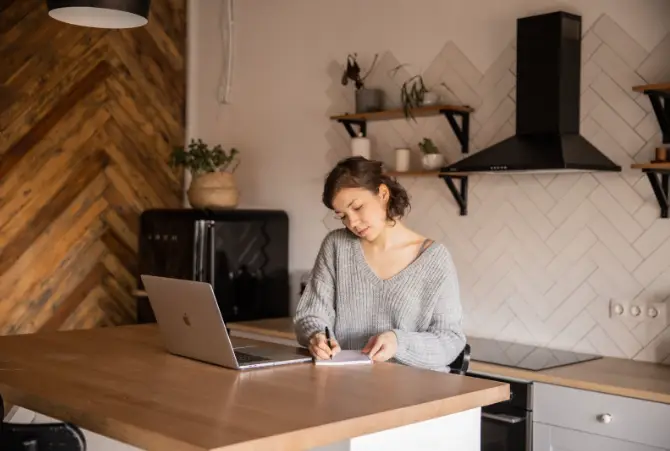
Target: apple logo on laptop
point(186, 320)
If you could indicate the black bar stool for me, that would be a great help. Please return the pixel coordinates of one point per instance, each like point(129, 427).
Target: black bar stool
point(39, 437)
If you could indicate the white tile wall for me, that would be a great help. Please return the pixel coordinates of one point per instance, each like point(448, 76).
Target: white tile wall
point(540, 256)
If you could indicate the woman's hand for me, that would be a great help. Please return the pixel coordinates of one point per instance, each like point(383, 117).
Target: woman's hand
point(382, 347)
point(318, 346)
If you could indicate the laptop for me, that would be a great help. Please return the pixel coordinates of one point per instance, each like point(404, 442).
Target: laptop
point(191, 324)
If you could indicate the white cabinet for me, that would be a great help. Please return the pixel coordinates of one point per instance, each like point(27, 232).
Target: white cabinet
point(554, 438)
point(568, 419)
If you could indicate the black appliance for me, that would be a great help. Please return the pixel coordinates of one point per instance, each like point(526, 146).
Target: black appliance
point(242, 253)
point(523, 356)
point(508, 425)
point(547, 105)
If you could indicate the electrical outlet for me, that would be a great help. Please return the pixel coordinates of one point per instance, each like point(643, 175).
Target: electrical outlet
point(617, 308)
point(628, 311)
point(657, 311)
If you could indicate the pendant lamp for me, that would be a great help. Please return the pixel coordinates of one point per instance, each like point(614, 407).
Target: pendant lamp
point(101, 13)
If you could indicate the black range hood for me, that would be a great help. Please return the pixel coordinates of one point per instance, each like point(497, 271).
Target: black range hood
point(548, 91)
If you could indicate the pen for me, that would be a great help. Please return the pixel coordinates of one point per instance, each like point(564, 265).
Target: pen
point(328, 338)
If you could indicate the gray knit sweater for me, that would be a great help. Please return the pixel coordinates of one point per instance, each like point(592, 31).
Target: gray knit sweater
point(420, 304)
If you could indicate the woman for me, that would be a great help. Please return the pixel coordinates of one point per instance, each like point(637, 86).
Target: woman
point(378, 286)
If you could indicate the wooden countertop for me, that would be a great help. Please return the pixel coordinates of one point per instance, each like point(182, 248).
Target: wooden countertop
point(623, 377)
point(121, 383)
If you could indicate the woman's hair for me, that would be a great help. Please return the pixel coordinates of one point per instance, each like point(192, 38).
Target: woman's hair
point(359, 172)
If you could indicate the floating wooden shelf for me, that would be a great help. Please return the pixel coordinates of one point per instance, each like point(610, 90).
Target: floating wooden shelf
point(425, 174)
point(398, 113)
point(450, 112)
point(659, 178)
point(653, 166)
point(652, 87)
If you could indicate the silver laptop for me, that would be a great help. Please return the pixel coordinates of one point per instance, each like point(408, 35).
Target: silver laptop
point(191, 324)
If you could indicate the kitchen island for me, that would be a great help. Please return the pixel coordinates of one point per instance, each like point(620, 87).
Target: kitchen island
point(607, 403)
point(120, 383)
point(616, 376)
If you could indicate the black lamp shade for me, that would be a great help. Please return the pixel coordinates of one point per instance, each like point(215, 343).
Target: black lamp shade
point(101, 13)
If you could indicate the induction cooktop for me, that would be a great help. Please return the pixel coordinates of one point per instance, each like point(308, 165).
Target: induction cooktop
point(518, 355)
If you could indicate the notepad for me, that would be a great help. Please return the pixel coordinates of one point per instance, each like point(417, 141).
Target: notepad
point(346, 357)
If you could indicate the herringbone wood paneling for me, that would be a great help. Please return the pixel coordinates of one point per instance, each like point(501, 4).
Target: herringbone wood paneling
point(88, 118)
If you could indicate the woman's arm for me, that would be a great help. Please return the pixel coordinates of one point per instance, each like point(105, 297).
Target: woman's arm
point(444, 340)
point(316, 308)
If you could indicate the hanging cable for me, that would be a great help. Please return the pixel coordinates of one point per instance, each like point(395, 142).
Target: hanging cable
point(226, 29)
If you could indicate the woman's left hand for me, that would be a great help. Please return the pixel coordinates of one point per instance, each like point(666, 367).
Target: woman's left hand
point(382, 347)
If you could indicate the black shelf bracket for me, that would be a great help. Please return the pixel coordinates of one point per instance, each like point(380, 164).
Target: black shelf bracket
point(661, 106)
point(660, 181)
point(462, 133)
point(349, 123)
point(461, 197)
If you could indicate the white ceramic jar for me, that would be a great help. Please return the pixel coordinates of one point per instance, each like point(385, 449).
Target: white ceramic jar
point(402, 160)
point(360, 146)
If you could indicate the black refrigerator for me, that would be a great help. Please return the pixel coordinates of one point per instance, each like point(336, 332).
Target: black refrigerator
point(242, 253)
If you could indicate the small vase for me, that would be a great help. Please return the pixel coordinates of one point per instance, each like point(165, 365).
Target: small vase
point(369, 100)
point(360, 146)
point(213, 190)
point(432, 161)
point(402, 160)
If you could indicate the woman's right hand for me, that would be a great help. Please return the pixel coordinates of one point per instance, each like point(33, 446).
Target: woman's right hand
point(318, 346)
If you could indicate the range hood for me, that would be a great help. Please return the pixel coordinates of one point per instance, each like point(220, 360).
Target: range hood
point(548, 91)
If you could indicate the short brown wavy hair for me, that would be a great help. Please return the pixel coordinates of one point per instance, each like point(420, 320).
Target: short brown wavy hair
point(359, 172)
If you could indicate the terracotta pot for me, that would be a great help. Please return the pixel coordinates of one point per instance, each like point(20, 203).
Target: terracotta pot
point(213, 190)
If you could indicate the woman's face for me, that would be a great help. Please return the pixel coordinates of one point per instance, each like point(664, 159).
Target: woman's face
point(361, 211)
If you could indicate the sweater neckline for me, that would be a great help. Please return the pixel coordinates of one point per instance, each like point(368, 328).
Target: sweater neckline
point(360, 256)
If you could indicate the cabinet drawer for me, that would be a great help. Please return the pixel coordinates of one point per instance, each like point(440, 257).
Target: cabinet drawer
point(620, 417)
point(554, 438)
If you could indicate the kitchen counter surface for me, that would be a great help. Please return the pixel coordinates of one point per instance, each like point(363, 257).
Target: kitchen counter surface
point(642, 380)
point(120, 382)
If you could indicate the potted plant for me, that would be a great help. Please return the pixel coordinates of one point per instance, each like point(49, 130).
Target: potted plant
point(415, 94)
point(367, 99)
point(213, 183)
point(432, 158)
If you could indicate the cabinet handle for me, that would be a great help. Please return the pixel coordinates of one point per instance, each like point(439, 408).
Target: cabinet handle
point(509, 419)
point(604, 418)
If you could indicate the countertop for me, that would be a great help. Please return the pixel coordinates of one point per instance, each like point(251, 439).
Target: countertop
point(120, 382)
point(615, 376)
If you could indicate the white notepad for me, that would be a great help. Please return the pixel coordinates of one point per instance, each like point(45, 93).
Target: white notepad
point(346, 357)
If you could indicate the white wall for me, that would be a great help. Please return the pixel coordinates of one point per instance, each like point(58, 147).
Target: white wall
point(539, 257)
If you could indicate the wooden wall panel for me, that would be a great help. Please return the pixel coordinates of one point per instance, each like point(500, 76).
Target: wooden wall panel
point(88, 118)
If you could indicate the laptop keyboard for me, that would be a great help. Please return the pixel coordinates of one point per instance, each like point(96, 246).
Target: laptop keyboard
point(248, 358)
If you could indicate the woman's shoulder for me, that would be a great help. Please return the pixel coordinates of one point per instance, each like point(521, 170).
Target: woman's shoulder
point(439, 257)
point(338, 237)
point(335, 242)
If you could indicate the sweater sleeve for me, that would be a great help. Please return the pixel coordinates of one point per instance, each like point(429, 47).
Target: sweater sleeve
point(316, 309)
point(438, 346)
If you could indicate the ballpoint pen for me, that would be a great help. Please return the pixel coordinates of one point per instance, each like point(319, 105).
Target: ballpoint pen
point(328, 338)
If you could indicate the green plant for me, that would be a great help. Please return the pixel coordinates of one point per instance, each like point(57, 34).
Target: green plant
point(353, 71)
point(200, 158)
point(412, 92)
point(428, 147)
